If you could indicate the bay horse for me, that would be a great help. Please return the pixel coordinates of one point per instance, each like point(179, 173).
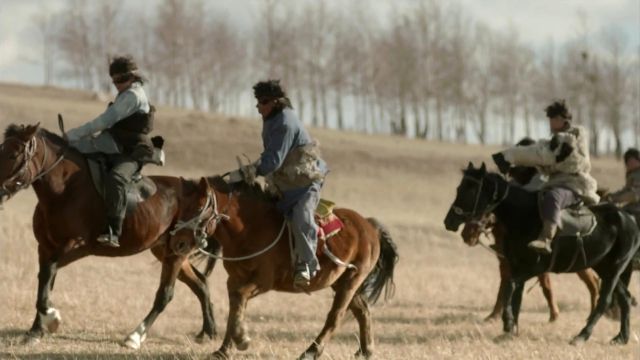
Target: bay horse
point(608, 249)
point(70, 214)
point(471, 234)
point(257, 258)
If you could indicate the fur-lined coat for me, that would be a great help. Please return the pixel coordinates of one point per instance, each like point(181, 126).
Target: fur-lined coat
point(564, 159)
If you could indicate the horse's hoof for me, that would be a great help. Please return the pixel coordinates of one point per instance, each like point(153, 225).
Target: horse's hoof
point(30, 340)
point(203, 337)
point(578, 340)
point(52, 319)
point(363, 354)
point(134, 341)
point(507, 336)
point(553, 318)
point(620, 340)
point(243, 344)
point(308, 355)
point(220, 355)
point(491, 318)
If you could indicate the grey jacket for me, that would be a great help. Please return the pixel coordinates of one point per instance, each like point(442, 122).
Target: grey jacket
point(90, 137)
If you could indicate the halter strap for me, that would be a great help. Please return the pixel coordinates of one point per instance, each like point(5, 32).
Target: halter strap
point(29, 152)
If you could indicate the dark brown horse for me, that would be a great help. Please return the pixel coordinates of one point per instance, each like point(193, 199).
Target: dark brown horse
point(251, 231)
point(471, 235)
point(70, 214)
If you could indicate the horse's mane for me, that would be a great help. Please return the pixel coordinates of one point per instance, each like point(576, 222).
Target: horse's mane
point(54, 138)
point(255, 190)
point(13, 130)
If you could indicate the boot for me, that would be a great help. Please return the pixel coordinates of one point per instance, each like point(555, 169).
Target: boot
point(301, 276)
point(111, 233)
point(543, 244)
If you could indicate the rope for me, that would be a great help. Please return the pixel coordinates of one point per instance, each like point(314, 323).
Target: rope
point(247, 257)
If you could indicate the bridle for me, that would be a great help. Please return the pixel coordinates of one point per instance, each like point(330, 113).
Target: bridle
point(207, 216)
point(496, 199)
point(24, 177)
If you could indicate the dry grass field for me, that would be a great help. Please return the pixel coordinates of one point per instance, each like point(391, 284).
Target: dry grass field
point(444, 289)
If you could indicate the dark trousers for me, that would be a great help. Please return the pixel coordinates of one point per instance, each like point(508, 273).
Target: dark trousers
point(553, 201)
point(115, 189)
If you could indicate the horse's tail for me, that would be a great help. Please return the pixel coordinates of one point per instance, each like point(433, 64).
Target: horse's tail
point(381, 277)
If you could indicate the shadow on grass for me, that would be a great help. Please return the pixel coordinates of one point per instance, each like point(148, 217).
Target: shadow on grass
point(94, 355)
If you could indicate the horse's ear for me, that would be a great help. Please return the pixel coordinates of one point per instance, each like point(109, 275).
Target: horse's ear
point(483, 168)
point(203, 186)
point(28, 132)
point(470, 166)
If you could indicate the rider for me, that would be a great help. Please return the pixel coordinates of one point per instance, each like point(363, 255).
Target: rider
point(629, 195)
point(565, 160)
point(121, 133)
point(291, 163)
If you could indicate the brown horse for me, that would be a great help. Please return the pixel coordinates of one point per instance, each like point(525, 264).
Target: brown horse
point(471, 236)
point(70, 214)
point(257, 257)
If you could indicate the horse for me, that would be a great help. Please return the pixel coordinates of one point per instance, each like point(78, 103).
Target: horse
point(70, 214)
point(471, 236)
point(608, 249)
point(257, 258)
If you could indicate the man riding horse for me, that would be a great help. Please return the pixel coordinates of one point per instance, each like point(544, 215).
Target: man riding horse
point(629, 195)
point(122, 130)
point(565, 160)
point(292, 166)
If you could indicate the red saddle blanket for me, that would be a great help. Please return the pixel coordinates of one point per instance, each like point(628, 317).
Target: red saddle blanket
point(328, 226)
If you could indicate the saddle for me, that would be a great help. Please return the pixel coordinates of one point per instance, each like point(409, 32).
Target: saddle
point(577, 221)
point(328, 223)
point(139, 189)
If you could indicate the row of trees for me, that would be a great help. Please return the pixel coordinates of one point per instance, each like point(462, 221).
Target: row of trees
point(429, 71)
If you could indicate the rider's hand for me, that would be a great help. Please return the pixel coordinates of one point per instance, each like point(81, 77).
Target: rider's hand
point(249, 173)
point(501, 162)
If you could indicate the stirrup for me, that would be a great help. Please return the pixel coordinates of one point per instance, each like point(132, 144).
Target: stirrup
point(108, 239)
point(301, 277)
point(540, 246)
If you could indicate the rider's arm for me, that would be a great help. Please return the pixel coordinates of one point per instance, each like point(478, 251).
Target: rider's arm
point(538, 154)
point(628, 194)
point(125, 104)
point(276, 148)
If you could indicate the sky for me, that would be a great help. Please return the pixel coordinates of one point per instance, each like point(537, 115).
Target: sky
point(538, 23)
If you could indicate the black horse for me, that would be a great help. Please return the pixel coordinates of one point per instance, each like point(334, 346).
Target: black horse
point(608, 250)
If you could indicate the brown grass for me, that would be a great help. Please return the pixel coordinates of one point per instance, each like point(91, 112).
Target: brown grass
point(444, 289)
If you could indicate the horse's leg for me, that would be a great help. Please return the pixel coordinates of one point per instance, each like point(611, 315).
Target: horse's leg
point(590, 279)
point(198, 284)
point(545, 284)
point(507, 312)
point(345, 289)
point(516, 301)
point(360, 310)
point(46, 316)
point(236, 329)
point(623, 301)
point(504, 278)
point(609, 280)
point(170, 269)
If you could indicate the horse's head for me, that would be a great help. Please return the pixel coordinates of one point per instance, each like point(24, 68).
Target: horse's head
point(16, 153)
point(197, 219)
point(477, 195)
